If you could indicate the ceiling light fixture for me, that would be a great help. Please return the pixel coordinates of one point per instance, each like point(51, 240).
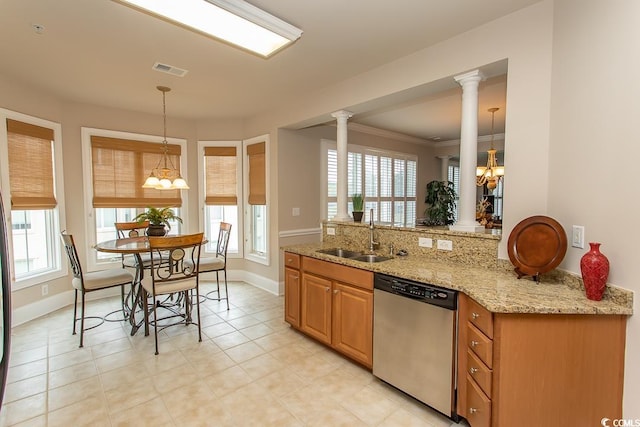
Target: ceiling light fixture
point(165, 176)
point(492, 172)
point(234, 21)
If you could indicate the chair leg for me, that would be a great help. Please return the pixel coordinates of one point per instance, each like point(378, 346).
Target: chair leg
point(145, 308)
point(155, 322)
point(82, 322)
point(198, 308)
point(226, 288)
point(75, 310)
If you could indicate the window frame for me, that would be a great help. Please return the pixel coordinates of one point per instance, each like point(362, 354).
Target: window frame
point(93, 263)
point(249, 253)
point(58, 220)
point(363, 151)
point(239, 189)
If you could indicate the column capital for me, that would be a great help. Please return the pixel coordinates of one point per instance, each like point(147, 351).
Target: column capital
point(471, 76)
point(342, 114)
point(443, 157)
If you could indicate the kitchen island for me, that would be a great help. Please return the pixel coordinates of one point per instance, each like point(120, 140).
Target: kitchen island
point(528, 353)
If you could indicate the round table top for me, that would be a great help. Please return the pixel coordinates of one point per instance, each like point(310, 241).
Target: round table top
point(127, 245)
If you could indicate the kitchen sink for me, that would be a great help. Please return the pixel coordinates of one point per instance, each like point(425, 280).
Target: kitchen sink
point(370, 258)
point(342, 253)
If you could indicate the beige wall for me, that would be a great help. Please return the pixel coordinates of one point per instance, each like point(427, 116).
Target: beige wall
point(594, 148)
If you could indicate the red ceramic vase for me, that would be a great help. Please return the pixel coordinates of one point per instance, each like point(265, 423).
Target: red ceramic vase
point(594, 267)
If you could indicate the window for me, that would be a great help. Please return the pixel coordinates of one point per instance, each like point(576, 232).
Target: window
point(32, 158)
point(386, 179)
point(117, 164)
point(256, 219)
point(220, 171)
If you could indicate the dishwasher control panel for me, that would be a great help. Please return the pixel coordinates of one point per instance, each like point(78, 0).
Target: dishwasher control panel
point(423, 292)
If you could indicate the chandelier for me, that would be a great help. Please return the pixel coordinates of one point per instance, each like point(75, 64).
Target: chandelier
point(492, 173)
point(165, 176)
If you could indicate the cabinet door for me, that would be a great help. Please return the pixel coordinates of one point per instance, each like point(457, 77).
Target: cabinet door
point(316, 307)
point(353, 322)
point(292, 297)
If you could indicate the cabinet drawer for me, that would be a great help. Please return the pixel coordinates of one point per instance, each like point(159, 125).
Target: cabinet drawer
point(479, 405)
point(291, 260)
point(342, 273)
point(479, 372)
point(481, 317)
point(480, 345)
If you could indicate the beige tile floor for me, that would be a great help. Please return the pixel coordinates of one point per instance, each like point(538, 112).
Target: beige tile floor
point(251, 369)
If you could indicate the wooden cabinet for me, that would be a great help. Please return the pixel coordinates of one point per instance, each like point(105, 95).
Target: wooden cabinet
point(292, 289)
point(538, 369)
point(336, 306)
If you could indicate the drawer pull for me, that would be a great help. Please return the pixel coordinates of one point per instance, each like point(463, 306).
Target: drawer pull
point(475, 315)
point(291, 260)
point(472, 410)
point(473, 370)
point(474, 343)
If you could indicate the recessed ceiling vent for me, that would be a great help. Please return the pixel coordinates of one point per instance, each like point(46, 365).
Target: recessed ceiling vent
point(169, 69)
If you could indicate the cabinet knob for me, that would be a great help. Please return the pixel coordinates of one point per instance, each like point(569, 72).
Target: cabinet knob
point(289, 260)
point(474, 343)
point(472, 410)
point(475, 315)
point(335, 291)
point(327, 289)
point(473, 370)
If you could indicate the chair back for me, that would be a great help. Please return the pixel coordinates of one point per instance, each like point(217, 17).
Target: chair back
point(175, 258)
point(223, 240)
point(72, 255)
point(131, 229)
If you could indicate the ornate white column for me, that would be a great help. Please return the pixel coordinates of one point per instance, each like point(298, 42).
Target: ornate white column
point(341, 140)
point(468, 153)
point(444, 168)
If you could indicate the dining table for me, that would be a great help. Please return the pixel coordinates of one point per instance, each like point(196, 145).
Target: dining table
point(136, 246)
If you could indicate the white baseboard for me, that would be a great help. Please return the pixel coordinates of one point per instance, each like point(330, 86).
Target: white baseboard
point(45, 306)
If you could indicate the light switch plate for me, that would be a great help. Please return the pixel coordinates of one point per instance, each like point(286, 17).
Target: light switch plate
point(425, 242)
point(577, 236)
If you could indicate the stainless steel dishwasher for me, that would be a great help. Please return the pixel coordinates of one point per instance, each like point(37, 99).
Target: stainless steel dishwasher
point(414, 340)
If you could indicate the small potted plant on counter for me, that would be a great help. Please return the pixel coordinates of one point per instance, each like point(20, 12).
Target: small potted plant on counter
point(158, 220)
point(358, 207)
point(441, 199)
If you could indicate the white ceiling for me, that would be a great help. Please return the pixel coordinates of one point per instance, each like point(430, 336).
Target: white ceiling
point(101, 52)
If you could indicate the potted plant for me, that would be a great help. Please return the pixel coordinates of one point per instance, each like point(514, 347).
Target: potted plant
point(441, 199)
point(358, 205)
point(158, 220)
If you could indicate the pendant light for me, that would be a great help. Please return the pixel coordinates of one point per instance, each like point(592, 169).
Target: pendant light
point(492, 173)
point(165, 176)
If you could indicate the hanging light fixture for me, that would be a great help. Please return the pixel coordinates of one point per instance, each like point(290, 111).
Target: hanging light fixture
point(492, 173)
point(165, 176)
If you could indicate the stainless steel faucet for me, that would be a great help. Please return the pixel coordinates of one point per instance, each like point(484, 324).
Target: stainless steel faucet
point(372, 243)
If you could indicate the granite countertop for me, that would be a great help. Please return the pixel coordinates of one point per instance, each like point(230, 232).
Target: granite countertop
point(497, 290)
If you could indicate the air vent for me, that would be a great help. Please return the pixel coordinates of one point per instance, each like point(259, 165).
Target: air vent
point(169, 69)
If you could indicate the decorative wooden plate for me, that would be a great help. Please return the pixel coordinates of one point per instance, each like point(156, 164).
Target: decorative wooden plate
point(537, 245)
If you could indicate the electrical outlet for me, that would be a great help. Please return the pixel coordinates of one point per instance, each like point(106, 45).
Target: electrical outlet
point(445, 245)
point(425, 242)
point(577, 236)
point(45, 290)
point(295, 212)
point(331, 231)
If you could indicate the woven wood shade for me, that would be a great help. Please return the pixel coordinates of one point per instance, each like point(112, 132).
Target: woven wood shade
point(257, 175)
point(220, 176)
point(120, 167)
point(30, 166)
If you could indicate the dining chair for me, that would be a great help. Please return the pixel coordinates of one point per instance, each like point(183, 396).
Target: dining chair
point(132, 229)
point(92, 281)
point(218, 264)
point(174, 270)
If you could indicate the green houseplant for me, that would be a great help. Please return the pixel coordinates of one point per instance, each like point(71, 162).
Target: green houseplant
point(358, 206)
point(158, 220)
point(441, 201)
